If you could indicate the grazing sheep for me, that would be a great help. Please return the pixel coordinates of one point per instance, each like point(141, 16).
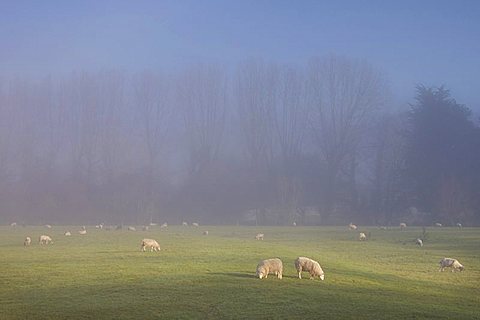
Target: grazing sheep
point(459, 225)
point(154, 246)
point(438, 224)
point(450, 263)
point(419, 242)
point(195, 224)
point(164, 225)
point(82, 231)
point(184, 224)
point(259, 236)
point(43, 239)
point(67, 234)
point(205, 233)
point(403, 225)
point(362, 236)
point(267, 266)
point(27, 241)
point(309, 265)
point(48, 226)
point(13, 224)
point(131, 229)
point(99, 226)
point(294, 224)
point(145, 228)
point(351, 226)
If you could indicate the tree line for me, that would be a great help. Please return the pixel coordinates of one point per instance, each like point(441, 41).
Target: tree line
point(263, 143)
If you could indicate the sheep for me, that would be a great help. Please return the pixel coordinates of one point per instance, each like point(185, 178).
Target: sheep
point(48, 226)
point(164, 225)
point(82, 231)
point(438, 224)
point(403, 225)
point(27, 241)
point(13, 224)
point(99, 226)
point(259, 236)
point(43, 239)
point(459, 225)
point(267, 266)
point(351, 226)
point(154, 246)
point(452, 263)
point(67, 234)
point(184, 224)
point(309, 265)
point(205, 233)
point(294, 224)
point(362, 236)
point(419, 242)
point(131, 229)
point(152, 224)
point(195, 224)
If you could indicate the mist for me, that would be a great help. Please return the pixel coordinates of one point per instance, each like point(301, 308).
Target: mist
point(231, 114)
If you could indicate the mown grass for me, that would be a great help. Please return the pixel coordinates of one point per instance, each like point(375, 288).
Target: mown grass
point(103, 275)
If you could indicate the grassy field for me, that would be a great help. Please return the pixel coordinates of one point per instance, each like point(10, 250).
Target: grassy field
point(104, 275)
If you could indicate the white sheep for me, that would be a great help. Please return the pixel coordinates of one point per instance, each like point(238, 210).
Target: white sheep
point(259, 236)
point(450, 263)
point(403, 225)
point(205, 233)
point(43, 239)
point(13, 224)
point(27, 241)
point(362, 236)
point(154, 246)
point(48, 226)
point(294, 224)
point(184, 224)
point(131, 229)
point(153, 224)
point(419, 242)
point(438, 224)
point(164, 225)
point(195, 224)
point(351, 226)
point(267, 266)
point(459, 225)
point(99, 226)
point(82, 231)
point(67, 233)
point(309, 265)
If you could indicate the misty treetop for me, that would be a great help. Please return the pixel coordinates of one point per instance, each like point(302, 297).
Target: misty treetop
point(264, 143)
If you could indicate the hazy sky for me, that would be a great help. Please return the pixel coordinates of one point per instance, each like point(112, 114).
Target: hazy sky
point(430, 42)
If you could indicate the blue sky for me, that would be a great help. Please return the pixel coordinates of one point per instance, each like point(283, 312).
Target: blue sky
point(429, 42)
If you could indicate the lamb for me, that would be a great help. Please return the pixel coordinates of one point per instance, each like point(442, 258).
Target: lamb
point(419, 242)
point(267, 266)
point(43, 239)
point(67, 233)
point(452, 263)
point(27, 241)
point(403, 225)
point(362, 236)
point(82, 231)
point(309, 265)
point(259, 236)
point(131, 229)
point(195, 224)
point(154, 246)
point(351, 226)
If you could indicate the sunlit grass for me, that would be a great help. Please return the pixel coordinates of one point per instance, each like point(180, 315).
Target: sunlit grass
point(104, 275)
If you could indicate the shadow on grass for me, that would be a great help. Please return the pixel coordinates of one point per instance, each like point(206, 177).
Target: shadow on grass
point(246, 274)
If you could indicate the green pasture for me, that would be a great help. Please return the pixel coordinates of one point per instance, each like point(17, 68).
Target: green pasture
point(104, 275)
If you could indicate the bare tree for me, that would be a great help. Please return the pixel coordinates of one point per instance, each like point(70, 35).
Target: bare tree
point(342, 95)
point(203, 101)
